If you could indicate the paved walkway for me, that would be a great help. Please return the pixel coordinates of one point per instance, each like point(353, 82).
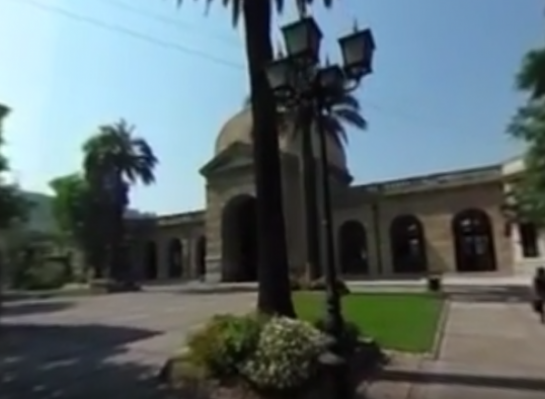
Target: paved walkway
point(99, 347)
point(491, 348)
point(110, 346)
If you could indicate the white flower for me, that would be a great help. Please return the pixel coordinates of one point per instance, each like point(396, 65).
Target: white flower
point(286, 354)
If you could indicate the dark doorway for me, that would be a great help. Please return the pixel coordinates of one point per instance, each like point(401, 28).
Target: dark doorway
point(239, 240)
point(353, 248)
point(473, 241)
point(175, 258)
point(408, 245)
point(201, 257)
point(151, 271)
point(528, 238)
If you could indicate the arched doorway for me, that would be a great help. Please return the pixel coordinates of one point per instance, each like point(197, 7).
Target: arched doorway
point(353, 248)
point(528, 238)
point(473, 241)
point(239, 239)
point(200, 256)
point(175, 258)
point(408, 245)
point(151, 271)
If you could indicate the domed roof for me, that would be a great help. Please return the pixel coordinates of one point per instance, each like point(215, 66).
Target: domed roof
point(238, 130)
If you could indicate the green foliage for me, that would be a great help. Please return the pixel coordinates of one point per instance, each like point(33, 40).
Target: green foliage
point(223, 343)
point(13, 206)
point(71, 205)
point(44, 275)
point(31, 269)
point(526, 201)
point(528, 192)
point(344, 112)
point(286, 356)
point(115, 159)
point(531, 77)
point(269, 353)
point(115, 152)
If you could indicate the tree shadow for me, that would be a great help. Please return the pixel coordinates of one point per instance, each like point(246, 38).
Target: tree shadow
point(28, 308)
point(481, 381)
point(488, 294)
point(75, 361)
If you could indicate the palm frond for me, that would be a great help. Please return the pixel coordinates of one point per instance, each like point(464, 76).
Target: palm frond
point(347, 100)
point(334, 128)
point(349, 117)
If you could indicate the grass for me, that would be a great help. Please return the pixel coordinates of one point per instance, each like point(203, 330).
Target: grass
point(405, 322)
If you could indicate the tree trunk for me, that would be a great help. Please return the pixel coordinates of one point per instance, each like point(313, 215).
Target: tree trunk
point(310, 194)
point(273, 270)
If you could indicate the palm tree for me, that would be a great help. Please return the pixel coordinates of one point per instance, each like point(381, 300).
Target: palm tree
point(345, 111)
point(274, 288)
point(115, 159)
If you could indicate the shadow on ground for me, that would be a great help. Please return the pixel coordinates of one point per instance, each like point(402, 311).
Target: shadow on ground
point(495, 294)
point(28, 308)
point(498, 382)
point(76, 362)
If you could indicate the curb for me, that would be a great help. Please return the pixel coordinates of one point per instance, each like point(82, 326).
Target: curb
point(440, 331)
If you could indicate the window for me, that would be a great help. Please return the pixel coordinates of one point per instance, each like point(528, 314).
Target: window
point(528, 240)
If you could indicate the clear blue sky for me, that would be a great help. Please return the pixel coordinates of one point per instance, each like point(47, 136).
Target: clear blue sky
point(441, 96)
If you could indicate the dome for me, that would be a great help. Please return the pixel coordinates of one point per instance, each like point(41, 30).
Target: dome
point(238, 130)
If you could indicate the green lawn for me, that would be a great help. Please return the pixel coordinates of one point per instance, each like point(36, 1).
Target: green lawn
point(405, 322)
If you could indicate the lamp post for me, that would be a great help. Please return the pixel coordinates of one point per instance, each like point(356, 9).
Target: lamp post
point(300, 82)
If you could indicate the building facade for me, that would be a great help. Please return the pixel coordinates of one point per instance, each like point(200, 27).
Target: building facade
point(444, 222)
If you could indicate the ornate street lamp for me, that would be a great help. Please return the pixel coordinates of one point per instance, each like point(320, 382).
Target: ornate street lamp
point(298, 80)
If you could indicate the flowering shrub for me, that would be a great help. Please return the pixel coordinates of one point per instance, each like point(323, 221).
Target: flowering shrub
point(223, 343)
point(286, 354)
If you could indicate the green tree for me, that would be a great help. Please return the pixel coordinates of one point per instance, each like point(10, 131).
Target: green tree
point(114, 160)
point(274, 294)
point(75, 212)
point(13, 206)
point(528, 192)
point(531, 77)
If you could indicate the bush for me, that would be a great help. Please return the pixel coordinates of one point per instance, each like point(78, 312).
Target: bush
point(320, 285)
point(286, 356)
point(223, 343)
point(45, 275)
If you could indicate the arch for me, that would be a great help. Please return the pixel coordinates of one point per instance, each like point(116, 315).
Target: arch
point(201, 256)
point(239, 239)
point(151, 271)
point(175, 253)
point(352, 244)
point(473, 241)
point(408, 245)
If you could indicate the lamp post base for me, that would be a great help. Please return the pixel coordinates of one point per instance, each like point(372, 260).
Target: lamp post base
point(336, 367)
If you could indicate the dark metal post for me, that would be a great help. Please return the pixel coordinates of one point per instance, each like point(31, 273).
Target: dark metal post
point(335, 360)
point(335, 322)
point(310, 192)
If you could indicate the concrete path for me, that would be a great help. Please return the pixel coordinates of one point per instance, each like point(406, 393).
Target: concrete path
point(99, 347)
point(493, 347)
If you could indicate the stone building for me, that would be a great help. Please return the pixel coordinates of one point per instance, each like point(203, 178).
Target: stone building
point(449, 222)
